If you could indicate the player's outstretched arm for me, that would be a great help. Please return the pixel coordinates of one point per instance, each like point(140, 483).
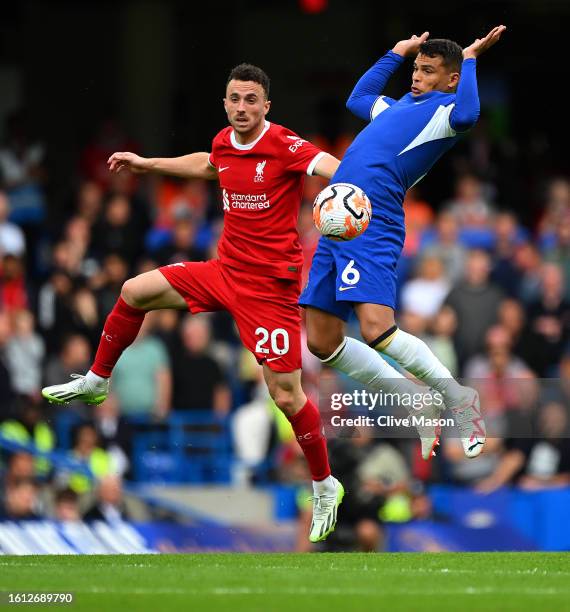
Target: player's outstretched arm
point(466, 110)
point(194, 165)
point(410, 47)
point(372, 83)
point(326, 166)
point(481, 45)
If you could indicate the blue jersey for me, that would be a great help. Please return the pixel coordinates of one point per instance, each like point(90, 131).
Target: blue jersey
point(401, 143)
point(405, 137)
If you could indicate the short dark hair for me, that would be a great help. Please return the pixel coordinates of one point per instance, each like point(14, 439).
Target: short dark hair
point(450, 52)
point(249, 72)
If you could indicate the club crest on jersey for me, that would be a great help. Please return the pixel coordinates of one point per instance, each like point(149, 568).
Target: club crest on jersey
point(258, 178)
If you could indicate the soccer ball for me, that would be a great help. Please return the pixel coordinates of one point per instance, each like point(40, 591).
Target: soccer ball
point(342, 211)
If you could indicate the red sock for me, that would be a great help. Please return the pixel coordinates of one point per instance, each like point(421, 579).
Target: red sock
point(120, 330)
point(308, 430)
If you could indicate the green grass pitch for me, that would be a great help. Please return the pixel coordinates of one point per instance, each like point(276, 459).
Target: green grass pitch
point(275, 582)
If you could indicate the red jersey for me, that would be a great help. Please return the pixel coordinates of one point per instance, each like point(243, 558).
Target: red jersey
point(262, 187)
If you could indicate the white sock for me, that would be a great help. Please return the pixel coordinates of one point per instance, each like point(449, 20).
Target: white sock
point(364, 364)
point(415, 356)
point(324, 487)
point(95, 380)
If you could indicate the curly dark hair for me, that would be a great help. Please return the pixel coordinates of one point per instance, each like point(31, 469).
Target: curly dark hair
point(449, 51)
point(249, 72)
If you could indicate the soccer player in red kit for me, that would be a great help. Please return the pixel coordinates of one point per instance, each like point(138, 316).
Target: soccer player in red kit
point(260, 167)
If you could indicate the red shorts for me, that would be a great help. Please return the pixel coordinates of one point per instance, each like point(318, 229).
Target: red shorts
point(264, 308)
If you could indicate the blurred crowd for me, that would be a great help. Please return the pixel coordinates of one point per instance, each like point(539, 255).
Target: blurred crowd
point(489, 295)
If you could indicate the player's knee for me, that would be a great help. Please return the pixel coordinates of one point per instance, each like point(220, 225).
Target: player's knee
point(131, 293)
point(323, 346)
point(285, 400)
point(286, 396)
point(371, 329)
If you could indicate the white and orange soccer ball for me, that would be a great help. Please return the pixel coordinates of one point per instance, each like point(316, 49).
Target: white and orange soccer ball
point(342, 211)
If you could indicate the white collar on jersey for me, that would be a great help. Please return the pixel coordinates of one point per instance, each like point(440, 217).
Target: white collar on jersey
point(250, 145)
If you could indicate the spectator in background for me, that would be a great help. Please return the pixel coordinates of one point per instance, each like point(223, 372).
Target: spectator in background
point(74, 356)
point(55, 309)
point(506, 385)
point(86, 448)
point(89, 202)
point(25, 352)
point(198, 380)
point(85, 315)
point(445, 245)
point(77, 237)
point(29, 426)
point(107, 284)
point(549, 322)
point(13, 292)
point(66, 505)
point(440, 339)
point(114, 432)
point(512, 317)
point(19, 465)
point(166, 327)
point(425, 294)
point(117, 231)
point(176, 198)
point(508, 236)
point(12, 240)
point(528, 264)
point(6, 389)
point(377, 475)
point(22, 172)
point(559, 253)
point(536, 463)
point(498, 362)
point(555, 208)
point(469, 205)
point(182, 244)
point(110, 503)
point(475, 301)
point(67, 258)
point(253, 427)
point(142, 379)
point(21, 501)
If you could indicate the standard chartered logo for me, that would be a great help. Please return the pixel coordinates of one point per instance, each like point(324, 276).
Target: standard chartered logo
point(244, 201)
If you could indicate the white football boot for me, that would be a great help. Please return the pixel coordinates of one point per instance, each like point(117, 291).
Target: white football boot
point(469, 420)
point(77, 389)
point(430, 431)
point(325, 509)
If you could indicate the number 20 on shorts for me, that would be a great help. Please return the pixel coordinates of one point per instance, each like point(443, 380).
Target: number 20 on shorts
point(278, 340)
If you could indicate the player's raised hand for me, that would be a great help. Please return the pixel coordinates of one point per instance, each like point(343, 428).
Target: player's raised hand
point(131, 161)
point(411, 46)
point(482, 44)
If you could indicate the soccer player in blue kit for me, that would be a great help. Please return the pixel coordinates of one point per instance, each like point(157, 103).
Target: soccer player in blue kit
point(394, 151)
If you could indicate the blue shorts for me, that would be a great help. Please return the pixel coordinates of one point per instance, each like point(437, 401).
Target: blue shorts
point(362, 270)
